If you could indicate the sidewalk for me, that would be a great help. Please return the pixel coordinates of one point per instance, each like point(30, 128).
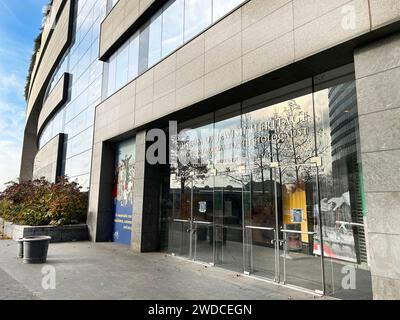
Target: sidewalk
point(87, 271)
point(10, 289)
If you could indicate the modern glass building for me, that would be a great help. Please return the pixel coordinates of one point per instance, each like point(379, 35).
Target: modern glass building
point(258, 136)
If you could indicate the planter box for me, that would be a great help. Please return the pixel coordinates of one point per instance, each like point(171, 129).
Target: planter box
point(69, 233)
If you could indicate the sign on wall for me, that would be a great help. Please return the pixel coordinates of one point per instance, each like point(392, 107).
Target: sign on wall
point(123, 191)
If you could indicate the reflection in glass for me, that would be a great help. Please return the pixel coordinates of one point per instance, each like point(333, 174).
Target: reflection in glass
point(178, 236)
point(228, 140)
point(83, 121)
point(299, 207)
point(172, 26)
point(78, 165)
point(300, 173)
point(80, 143)
point(61, 69)
point(282, 133)
point(202, 215)
point(112, 68)
point(82, 180)
point(154, 51)
point(122, 67)
point(228, 189)
point(228, 220)
point(176, 23)
point(133, 57)
point(342, 200)
point(222, 7)
point(259, 210)
point(197, 17)
point(76, 106)
point(191, 192)
point(77, 114)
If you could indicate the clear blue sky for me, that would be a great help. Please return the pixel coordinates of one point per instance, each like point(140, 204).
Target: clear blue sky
point(20, 21)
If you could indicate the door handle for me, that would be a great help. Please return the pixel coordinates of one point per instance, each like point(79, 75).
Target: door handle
point(281, 242)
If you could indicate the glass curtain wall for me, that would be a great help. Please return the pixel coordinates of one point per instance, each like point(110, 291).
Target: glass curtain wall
point(76, 117)
point(273, 187)
point(176, 23)
point(111, 4)
point(342, 200)
point(282, 186)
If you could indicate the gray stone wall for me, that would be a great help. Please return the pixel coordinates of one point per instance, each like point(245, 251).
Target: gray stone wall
point(378, 90)
point(68, 233)
point(138, 192)
point(48, 160)
point(145, 220)
point(101, 202)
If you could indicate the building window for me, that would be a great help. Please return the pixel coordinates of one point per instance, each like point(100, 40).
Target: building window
point(112, 68)
point(122, 66)
point(222, 7)
point(172, 27)
point(198, 15)
point(249, 170)
point(76, 118)
point(154, 40)
point(176, 23)
point(133, 57)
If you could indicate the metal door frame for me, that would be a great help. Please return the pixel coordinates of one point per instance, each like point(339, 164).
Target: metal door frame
point(281, 278)
point(278, 277)
point(193, 227)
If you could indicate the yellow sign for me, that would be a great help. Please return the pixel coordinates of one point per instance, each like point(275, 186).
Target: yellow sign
point(295, 208)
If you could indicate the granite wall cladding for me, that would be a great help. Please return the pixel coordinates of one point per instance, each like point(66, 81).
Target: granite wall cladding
point(378, 83)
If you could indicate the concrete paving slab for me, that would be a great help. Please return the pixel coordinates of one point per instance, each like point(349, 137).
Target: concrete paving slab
point(89, 271)
point(11, 289)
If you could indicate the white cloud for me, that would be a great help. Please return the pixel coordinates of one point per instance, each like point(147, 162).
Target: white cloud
point(12, 121)
point(9, 82)
point(10, 159)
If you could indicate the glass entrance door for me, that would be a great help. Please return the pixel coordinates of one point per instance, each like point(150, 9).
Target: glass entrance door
point(274, 213)
point(228, 220)
point(298, 209)
point(261, 223)
point(281, 223)
point(202, 205)
point(180, 221)
point(265, 228)
point(191, 224)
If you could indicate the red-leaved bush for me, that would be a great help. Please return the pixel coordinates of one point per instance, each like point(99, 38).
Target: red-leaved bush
point(39, 202)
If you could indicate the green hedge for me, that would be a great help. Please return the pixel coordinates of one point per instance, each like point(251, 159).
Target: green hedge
point(40, 203)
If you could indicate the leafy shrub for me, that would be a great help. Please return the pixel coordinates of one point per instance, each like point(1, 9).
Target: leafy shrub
point(39, 202)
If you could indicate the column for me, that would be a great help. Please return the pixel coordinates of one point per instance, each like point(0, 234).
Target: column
point(378, 92)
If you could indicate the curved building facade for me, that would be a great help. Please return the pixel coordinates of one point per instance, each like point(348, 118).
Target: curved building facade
point(258, 136)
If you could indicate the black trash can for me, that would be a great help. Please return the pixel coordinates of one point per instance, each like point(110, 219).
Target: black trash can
point(20, 248)
point(35, 249)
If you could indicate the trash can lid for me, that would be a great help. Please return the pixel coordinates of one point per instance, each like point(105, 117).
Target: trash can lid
point(39, 238)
